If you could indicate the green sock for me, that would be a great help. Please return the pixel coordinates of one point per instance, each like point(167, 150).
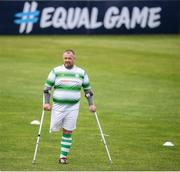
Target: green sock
point(66, 142)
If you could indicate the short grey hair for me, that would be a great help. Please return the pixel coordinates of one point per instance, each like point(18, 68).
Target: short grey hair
point(69, 50)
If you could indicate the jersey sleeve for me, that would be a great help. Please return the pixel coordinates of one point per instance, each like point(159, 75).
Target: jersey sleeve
point(51, 79)
point(86, 82)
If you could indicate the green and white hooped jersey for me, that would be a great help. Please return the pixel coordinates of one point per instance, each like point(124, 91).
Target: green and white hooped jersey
point(67, 85)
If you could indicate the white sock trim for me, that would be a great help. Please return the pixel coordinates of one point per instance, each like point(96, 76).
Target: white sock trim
point(66, 143)
point(65, 149)
point(66, 138)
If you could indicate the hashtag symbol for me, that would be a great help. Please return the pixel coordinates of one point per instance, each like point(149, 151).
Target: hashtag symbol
point(28, 17)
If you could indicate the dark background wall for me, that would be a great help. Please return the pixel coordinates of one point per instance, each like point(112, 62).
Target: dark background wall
point(90, 17)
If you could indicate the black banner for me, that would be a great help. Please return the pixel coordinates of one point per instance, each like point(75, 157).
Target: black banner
point(89, 17)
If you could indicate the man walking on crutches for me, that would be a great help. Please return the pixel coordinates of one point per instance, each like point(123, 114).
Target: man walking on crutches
point(67, 80)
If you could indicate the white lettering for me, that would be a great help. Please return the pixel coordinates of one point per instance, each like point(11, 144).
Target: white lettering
point(154, 16)
point(94, 15)
point(124, 18)
point(84, 19)
point(109, 19)
point(46, 16)
point(73, 17)
point(59, 18)
point(139, 17)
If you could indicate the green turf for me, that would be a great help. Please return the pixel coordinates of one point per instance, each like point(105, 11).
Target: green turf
point(136, 81)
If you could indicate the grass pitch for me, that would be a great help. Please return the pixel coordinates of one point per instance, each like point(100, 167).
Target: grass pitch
point(136, 81)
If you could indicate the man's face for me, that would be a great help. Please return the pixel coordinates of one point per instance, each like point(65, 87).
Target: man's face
point(69, 59)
